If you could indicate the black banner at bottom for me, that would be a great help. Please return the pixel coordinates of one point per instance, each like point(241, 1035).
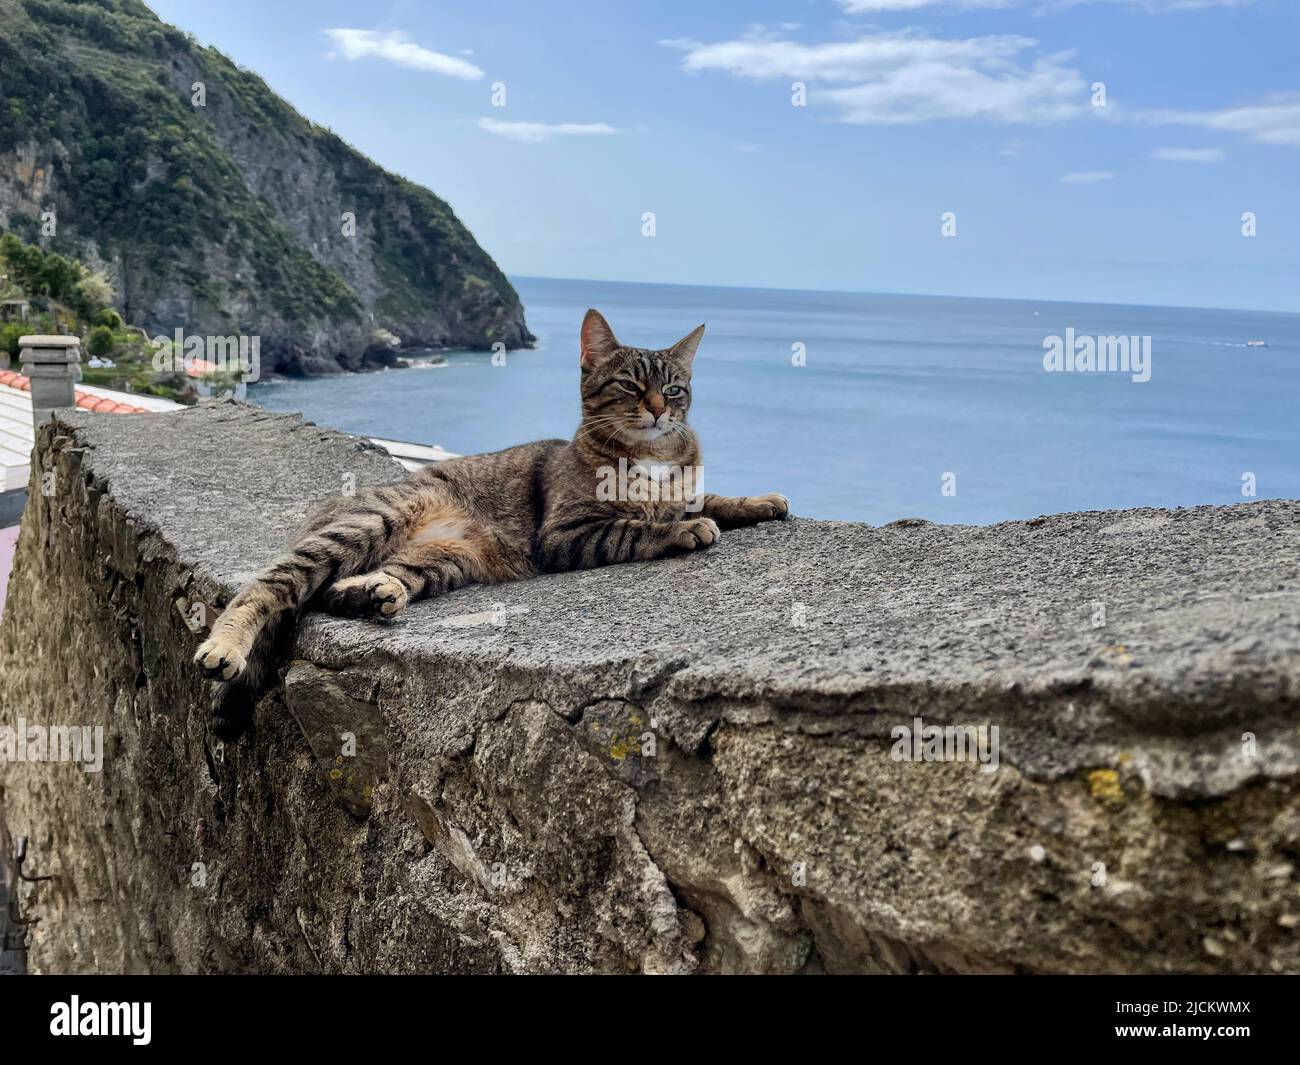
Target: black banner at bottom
point(143, 1013)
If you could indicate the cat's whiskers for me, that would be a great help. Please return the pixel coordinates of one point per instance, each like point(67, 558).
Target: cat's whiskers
point(614, 423)
point(592, 428)
point(602, 421)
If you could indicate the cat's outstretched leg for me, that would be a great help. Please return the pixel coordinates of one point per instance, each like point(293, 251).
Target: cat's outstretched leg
point(232, 702)
point(735, 512)
point(348, 541)
point(607, 541)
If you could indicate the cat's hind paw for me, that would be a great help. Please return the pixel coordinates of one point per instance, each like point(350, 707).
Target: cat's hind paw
point(387, 594)
point(219, 659)
point(695, 534)
point(371, 595)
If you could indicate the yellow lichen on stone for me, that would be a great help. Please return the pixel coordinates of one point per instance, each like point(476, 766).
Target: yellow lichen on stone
point(622, 747)
point(1104, 784)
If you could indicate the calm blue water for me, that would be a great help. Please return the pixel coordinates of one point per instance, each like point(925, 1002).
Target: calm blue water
point(897, 391)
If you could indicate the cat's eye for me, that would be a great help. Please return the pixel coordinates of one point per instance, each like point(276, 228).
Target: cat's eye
point(673, 391)
point(625, 386)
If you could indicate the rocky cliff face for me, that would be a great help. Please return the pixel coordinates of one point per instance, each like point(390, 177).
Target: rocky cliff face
point(231, 216)
point(548, 776)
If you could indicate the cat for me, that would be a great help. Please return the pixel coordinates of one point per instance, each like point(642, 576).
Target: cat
point(536, 508)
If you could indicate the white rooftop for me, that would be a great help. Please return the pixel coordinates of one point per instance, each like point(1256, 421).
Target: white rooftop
point(15, 437)
point(17, 434)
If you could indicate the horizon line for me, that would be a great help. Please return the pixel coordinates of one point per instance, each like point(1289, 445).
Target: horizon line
point(913, 295)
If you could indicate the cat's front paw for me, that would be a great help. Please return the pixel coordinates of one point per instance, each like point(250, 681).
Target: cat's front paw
point(695, 534)
point(771, 507)
point(220, 659)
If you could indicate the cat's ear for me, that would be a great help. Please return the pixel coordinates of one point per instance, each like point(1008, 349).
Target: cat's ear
point(684, 349)
point(597, 339)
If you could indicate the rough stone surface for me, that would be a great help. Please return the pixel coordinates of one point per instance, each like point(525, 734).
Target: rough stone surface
point(13, 939)
point(668, 767)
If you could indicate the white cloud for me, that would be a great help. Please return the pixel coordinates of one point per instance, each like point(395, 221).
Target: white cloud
point(1189, 155)
point(1086, 177)
point(536, 132)
point(760, 57)
point(872, 7)
point(908, 77)
point(1155, 7)
point(895, 78)
point(393, 46)
point(1274, 121)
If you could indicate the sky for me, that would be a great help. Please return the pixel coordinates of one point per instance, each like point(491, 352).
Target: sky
point(1090, 150)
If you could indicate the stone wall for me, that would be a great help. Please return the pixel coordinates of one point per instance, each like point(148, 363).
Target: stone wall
point(669, 767)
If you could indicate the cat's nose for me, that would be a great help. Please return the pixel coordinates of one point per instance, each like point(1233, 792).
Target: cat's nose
point(655, 403)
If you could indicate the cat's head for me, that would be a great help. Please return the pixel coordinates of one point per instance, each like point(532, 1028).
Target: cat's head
point(632, 395)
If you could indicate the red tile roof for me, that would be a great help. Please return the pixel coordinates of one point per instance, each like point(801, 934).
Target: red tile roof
point(85, 400)
point(198, 367)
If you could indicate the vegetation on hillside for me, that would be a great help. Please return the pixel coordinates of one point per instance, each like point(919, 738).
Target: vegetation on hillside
point(153, 179)
point(67, 296)
point(101, 88)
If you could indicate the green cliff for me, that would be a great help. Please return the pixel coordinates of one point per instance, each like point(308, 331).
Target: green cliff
point(225, 218)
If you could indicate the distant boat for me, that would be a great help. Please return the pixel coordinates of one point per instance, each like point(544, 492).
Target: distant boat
point(1256, 343)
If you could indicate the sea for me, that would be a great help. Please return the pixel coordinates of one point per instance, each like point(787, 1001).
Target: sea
point(872, 408)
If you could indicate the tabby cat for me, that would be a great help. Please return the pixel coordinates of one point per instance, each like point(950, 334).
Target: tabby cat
point(536, 508)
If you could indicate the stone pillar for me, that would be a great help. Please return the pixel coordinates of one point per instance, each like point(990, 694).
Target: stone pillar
point(53, 363)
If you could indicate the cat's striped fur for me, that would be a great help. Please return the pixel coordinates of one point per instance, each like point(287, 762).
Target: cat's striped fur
point(483, 519)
